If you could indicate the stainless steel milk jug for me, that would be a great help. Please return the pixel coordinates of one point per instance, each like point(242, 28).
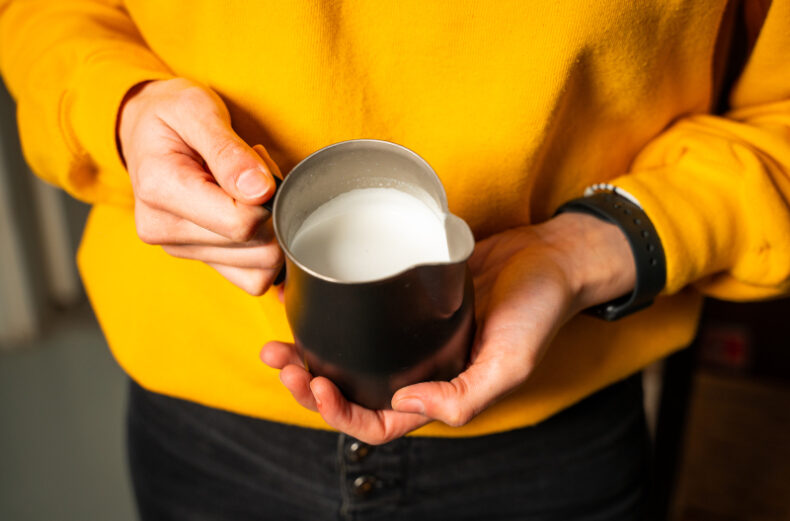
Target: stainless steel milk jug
point(372, 338)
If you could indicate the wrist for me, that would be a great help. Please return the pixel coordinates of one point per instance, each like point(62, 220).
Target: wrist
point(594, 255)
point(127, 115)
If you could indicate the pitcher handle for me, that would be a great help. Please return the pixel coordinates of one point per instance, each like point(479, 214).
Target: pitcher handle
point(269, 205)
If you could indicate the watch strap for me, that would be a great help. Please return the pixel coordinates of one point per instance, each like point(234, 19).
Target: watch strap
point(645, 246)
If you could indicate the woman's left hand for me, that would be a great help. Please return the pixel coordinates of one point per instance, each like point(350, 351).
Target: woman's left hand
point(528, 282)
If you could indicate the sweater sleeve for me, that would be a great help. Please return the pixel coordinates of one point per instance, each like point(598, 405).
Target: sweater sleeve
point(69, 64)
point(717, 188)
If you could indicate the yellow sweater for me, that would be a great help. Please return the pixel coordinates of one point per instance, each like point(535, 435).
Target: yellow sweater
point(517, 105)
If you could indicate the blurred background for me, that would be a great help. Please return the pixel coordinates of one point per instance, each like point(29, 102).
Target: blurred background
point(719, 411)
point(61, 393)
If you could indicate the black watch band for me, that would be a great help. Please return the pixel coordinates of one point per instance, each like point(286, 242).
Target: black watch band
point(651, 267)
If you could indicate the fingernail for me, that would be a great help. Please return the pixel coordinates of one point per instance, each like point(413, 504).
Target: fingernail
point(253, 183)
point(410, 405)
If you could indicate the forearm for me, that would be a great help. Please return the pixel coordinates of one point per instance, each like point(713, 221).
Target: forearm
point(716, 187)
point(69, 65)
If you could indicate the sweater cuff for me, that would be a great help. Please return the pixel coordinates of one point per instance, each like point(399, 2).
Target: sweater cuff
point(91, 107)
point(695, 245)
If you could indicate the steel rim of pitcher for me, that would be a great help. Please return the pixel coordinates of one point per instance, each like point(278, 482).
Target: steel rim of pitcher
point(442, 203)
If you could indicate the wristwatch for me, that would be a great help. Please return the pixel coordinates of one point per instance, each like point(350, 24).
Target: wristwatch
point(615, 206)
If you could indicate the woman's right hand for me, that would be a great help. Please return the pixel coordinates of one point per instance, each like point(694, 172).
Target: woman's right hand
point(198, 187)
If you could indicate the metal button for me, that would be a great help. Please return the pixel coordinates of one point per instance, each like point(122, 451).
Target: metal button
point(357, 451)
point(364, 485)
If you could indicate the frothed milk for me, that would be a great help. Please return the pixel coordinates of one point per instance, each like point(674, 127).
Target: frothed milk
point(370, 233)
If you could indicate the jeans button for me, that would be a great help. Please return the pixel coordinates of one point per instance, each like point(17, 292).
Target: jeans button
point(357, 451)
point(364, 485)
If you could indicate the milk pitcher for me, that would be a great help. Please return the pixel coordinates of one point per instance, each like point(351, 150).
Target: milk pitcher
point(371, 338)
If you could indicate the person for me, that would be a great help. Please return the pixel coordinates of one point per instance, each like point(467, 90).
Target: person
point(149, 111)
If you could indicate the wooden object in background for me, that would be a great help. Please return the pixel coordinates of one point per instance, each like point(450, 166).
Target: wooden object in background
point(736, 460)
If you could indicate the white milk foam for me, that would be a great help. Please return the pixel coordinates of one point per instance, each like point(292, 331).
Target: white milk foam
point(370, 233)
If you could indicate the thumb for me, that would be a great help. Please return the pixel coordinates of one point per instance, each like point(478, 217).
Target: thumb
point(455, 402)
point(270, 164)
point(238, 169)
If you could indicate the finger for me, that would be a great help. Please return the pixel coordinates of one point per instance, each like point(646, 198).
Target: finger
point(178, 184)
point(268, 256)
point(458, 401)
point(237, 168)
point(369, 426)
point(279, 354)
point(297, 380)
point(254, 281)
point(163, 228)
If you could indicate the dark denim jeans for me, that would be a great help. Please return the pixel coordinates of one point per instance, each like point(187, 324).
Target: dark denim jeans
point(191, 462)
